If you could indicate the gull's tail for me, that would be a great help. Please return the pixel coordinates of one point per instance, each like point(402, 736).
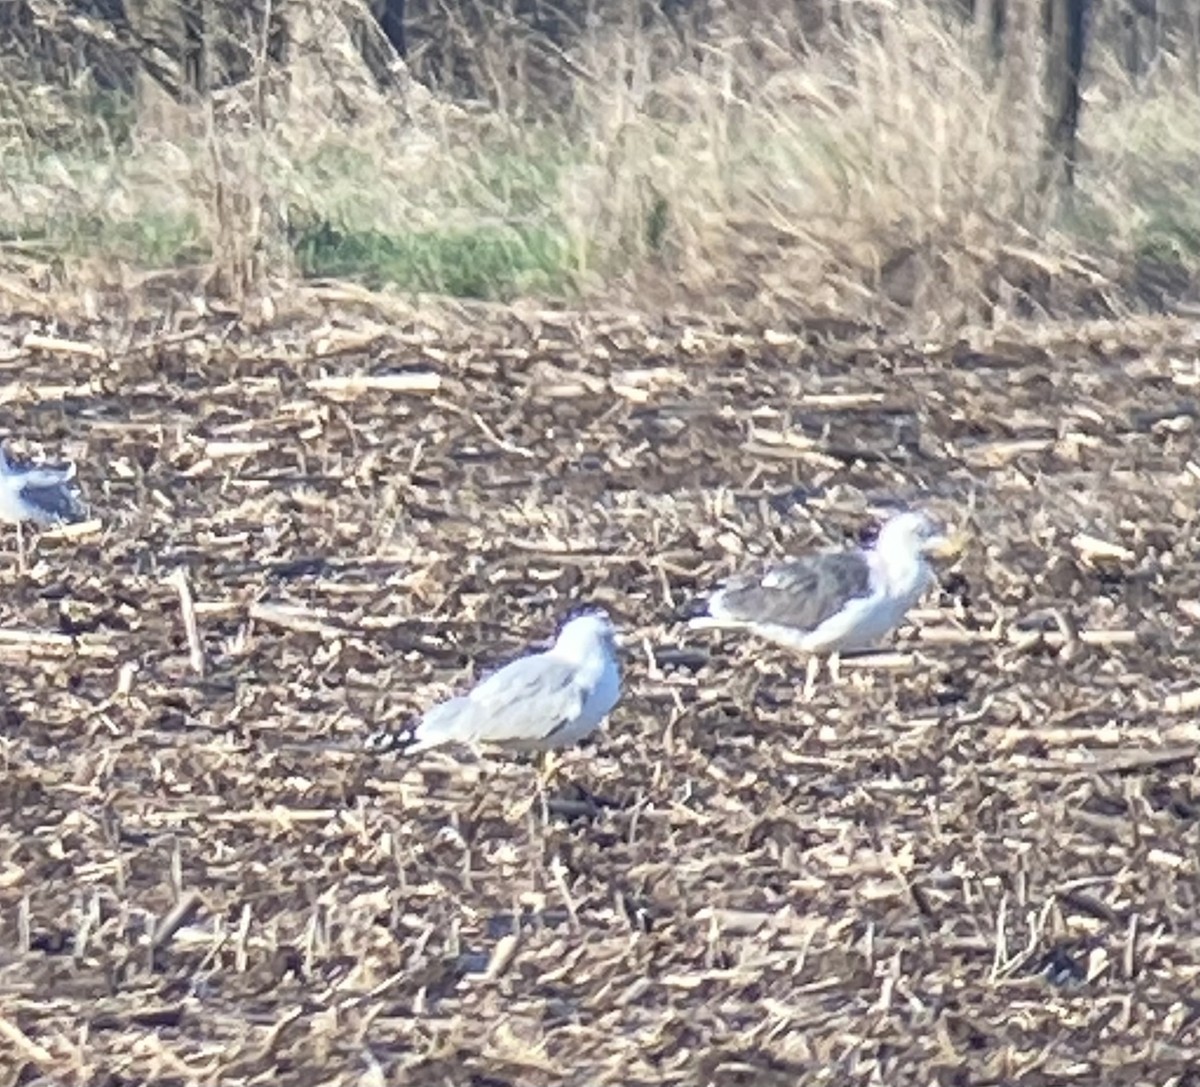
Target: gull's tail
point(443, 724)
point(697, 610)
point(714, 613)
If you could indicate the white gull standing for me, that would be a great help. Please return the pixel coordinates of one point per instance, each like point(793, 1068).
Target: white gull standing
point(834, 601)
point(538, 702)
point(45, 495)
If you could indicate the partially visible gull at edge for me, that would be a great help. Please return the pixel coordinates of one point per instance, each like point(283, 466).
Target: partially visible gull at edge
point(536, 703)
point(835, 601)
point(45, 495)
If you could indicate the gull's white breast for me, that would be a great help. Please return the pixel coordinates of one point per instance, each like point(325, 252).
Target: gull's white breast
point(599, 701)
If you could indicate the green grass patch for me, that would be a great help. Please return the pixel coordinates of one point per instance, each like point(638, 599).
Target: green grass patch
point(493, 262)
point(1172, 229)
point(152, 240)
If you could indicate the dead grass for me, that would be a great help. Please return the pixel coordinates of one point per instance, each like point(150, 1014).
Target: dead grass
point(976, 864)
point(875, 172)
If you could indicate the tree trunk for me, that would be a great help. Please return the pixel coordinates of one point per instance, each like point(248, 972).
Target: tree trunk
point(1064, 68)
point(390, 14)
point(171, 62)
point(989, 19)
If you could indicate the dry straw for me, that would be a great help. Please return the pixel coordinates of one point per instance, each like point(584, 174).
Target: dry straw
point(780, 164)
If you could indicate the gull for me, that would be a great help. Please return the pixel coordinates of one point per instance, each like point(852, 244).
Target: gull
point(834, 601)
point(539, 702)
point(45, 495)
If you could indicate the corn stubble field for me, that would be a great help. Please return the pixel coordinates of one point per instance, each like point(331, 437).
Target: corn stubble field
point(974, 862)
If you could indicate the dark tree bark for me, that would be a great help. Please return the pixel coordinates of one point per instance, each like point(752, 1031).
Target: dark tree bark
point(989, 17)
point(1067, 32)
point(390, 14)
point(195, 62)
point(1065, 24)
point(197, 46)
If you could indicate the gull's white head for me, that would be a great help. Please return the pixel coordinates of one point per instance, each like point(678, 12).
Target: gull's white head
point(585, 634)
point(914, 533)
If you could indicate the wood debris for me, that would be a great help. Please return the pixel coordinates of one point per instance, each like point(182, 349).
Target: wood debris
point(966, 858)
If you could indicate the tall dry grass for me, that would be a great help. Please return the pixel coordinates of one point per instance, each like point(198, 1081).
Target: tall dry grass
point(876, 170)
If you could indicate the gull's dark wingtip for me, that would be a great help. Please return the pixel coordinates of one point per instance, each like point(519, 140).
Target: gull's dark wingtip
point(386, 741)
point(693, 607)
point(58, 502)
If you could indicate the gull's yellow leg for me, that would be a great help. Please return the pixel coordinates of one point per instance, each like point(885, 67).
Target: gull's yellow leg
point(544, 771)
point(550, 761)
point(548, 764)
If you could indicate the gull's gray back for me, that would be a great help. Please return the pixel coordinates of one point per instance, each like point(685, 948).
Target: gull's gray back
point(800, 594)
point(525, 704)
point(531, 703)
